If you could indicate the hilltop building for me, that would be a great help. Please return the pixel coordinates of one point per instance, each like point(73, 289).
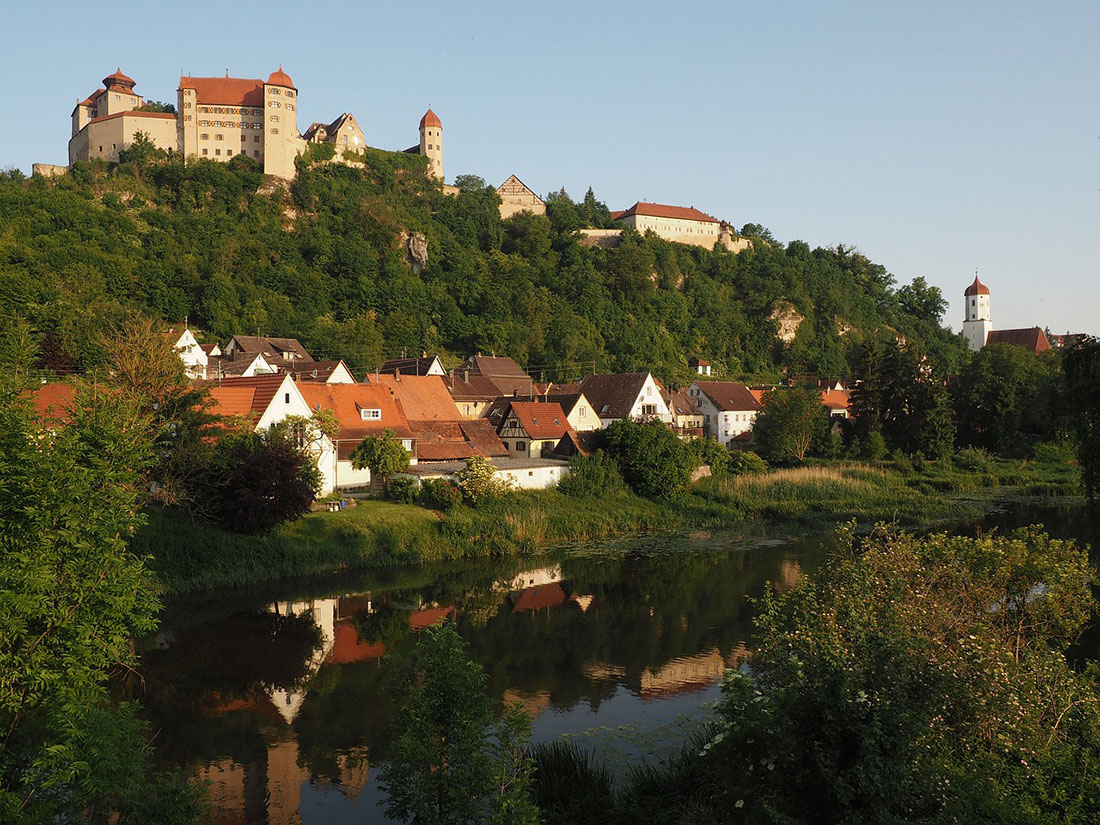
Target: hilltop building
point(220, 118)
point(516, 197)
point(978, 326)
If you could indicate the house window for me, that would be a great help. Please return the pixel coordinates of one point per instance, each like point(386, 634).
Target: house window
point(649, 390)
point(649, 409)
point(286, 398)
point(582, 412)
point(506, 445)
point(521, 446)
point(407, 444)
point(370, 415)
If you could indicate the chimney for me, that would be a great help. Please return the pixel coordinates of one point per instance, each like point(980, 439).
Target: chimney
point(466, 375)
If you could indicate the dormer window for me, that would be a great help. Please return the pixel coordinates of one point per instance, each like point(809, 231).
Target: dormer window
point(368, 414)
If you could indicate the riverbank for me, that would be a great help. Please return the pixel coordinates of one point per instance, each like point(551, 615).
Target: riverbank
point(188, 555)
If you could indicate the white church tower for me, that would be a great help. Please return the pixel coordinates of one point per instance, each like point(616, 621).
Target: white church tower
point(978, 325)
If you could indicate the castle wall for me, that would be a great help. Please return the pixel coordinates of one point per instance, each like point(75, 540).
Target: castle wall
point(514, 204)
point(106, 137)
point(678, 230)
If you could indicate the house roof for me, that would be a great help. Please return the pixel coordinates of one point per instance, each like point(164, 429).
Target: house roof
point(52, 402)
point(613, 396)
point(347, 401)
point(680, 403)
point(419, 619)
point(118, 78)
point(1032, 338)
point(423, 397)
point(222, 366)
point(976, 288)
point(471, 388)
point(504, 373)
point(567, 400)
point(407, 366)
point(234, 91)
point(229, 398)
point(836, 399)
point(280, 78)
point(698, 362)
point(267, 345)
point(663, 210)
point(347, 646)
point(540, 419)
point(430, 119)
point(729, 395)
point(313, 370)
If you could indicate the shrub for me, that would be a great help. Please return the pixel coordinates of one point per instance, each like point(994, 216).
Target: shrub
point(746, 464)
point(712, 453)
point(974, 459)
point(477, 481)
point(402, 490)
point(875, 446)
point(652, 459)
point(440, 494)
point(591, 476)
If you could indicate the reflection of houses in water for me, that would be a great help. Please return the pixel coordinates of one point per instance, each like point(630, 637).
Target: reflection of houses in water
point(268, 788)
point(684, 674)
point(534, 578)
point(323, 611)
point(539, 597)
point(534, 703)
point(583, 601)
point(790, 574)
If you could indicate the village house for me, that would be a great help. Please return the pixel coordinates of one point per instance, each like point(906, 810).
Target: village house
point(686, 416)
point(700, 366)
point(532, 429)
point(635, 395)
point(441, 433)
point(728, 408)
point(193, 356)
point(502, 372)
point(579, 413)
point(361, 410)
point(265, 400)
point(836, 400)
point(277, 351)
point(53, 403)
point(242, 365)
point(472, 394)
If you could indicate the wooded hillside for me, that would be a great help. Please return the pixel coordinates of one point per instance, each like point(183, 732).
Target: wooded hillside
point(326, 259)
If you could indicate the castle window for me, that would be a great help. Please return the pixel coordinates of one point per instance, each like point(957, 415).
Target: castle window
point(274, 91)
point(217, 151)
point(255, 138)
point(274, 131)
point(187, 105)
point(256, 152)
point(274, 118)
point(187, 117)
point(204, 136)
point(205, 150)
point(244, 138)
point(290, 106)
point(219, 137)
point(229, 151)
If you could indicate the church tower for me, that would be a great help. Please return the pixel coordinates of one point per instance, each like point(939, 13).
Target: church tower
point(431, 143)
point(978, 325)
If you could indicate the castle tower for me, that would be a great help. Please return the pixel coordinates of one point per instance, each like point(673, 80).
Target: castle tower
point(978, 325)
point(431, 142)
point(282, 142)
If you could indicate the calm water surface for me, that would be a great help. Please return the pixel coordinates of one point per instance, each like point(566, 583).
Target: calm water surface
point(278, 697)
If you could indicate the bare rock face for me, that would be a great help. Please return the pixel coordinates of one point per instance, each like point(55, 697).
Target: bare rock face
point(787, 320)
point(416, 248)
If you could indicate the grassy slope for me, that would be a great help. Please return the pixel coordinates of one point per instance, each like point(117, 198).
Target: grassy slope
point(189, 555)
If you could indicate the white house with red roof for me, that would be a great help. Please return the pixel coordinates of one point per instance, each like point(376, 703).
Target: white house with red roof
point(265, 400)
point(191, 353)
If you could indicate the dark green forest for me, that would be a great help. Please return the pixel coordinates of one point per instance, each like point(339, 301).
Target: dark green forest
point(325, 259)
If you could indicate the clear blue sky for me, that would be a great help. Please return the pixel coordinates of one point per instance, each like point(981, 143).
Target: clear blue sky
point(936, 137)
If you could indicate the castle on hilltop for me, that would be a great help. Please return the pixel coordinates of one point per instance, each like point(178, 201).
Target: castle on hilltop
point(220, 118)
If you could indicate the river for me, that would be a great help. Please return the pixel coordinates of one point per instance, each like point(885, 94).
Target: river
point(277, 695)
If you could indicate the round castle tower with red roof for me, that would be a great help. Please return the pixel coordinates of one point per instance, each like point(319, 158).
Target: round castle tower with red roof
point(431, 142)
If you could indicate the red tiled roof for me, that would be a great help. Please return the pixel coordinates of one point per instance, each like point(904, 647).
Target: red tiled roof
point(265, 388)
point(281, 78)
point(617, 213)
point(976, 288)
point(430, 119)
point(481, 435)
point(1032, 338)
point(347, 401)
point(662, 210)
point(835, 399)
point(541, 419)
point(229, 399)
point(729, 395)
point(52, 402)
point(681, 404)
point(232, 91)
point(119, 78)
point(423, 397)
point(312, 370)
point(471, 388)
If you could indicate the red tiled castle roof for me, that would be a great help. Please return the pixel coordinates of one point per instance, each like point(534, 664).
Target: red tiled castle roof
point(661, 210)
point(231, 91)
point(430, 119)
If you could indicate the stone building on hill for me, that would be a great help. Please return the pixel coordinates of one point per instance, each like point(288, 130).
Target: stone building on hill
point(516, 197)
point(220, 118)
point(680, 224)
